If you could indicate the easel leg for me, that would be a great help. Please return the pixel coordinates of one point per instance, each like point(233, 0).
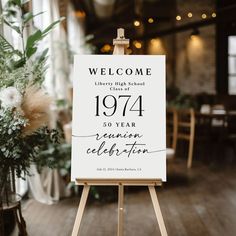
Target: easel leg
point(80, 211)
point(157, 210)
point(120, 210)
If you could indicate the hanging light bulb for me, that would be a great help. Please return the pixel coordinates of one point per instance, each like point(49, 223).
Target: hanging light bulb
point(150, 20)
point(137, 44)
point(136, 23)
point(106, 48)
point(80, 14)
point(190, 14)
point(178, 18)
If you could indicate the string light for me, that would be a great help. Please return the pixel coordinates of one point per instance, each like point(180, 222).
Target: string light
point(137, 44)
point(178, 18)
point(190, 14)
point(136, 23)
point(80, 14)
point(106, 48)
point(150, 20)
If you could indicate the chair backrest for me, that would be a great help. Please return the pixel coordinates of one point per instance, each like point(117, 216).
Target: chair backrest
point(186, 124)
point(186, 130)
point(171, 127)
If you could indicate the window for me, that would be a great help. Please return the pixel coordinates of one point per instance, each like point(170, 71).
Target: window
point(232, 65)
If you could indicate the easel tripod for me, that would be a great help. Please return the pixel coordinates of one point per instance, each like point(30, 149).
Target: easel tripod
point(120, 45)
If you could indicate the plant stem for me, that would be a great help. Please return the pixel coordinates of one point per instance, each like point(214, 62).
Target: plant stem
point(23, 44)
point(22, 34)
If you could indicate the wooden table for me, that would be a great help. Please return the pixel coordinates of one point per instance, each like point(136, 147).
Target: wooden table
point(209, 117)
point(215, 132)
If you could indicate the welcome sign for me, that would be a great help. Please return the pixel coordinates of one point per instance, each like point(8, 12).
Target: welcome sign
point(119, 111)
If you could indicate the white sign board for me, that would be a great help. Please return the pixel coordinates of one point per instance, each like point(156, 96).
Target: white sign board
point(119, 110)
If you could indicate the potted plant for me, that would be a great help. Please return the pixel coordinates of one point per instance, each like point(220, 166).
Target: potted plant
point(24, 105)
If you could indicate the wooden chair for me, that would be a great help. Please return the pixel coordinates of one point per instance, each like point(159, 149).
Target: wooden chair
point(186, 130)
point(171, 134)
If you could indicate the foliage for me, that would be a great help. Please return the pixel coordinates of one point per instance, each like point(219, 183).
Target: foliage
point(183, 101)
point(24, 63)
point(56, 155)
point(17, 151)
point(19, 70)
point(179, 100)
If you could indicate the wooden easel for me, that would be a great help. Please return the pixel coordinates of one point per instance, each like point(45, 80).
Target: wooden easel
point(120, 45)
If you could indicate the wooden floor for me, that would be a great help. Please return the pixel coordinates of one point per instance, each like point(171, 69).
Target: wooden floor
point(198, 202)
